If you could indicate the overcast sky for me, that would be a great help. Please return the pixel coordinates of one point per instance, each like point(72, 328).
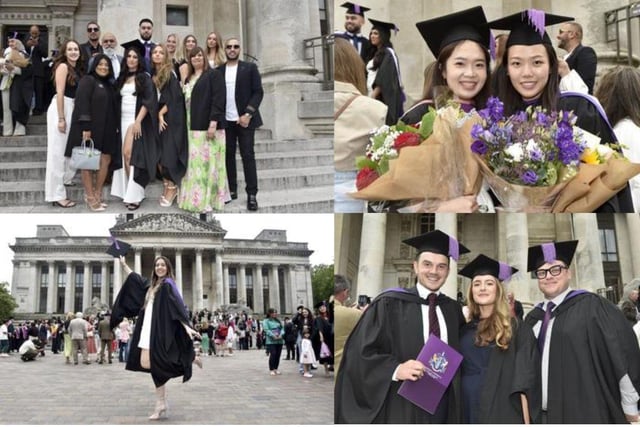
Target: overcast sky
point(316, 229)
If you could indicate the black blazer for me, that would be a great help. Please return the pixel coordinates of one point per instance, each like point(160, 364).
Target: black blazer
point(583, 59)
point(208, 100)
point(249, 91)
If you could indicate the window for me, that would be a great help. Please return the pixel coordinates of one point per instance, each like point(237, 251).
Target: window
point(233, 286)
point(44, 282)
point(178, 15)
point(96, 281)
point(427, 223)
point(248, 278)
point(608, 245)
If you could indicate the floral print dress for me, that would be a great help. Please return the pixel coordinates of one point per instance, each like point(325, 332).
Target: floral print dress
point(204, 187)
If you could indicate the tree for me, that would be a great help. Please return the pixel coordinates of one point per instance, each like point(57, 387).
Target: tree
point(7, 302)
point(322, 282)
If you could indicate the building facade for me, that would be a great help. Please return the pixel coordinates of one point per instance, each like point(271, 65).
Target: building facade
point(55, 272)
point(369, 249)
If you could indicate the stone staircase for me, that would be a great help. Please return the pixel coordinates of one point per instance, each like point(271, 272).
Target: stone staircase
point(294, 176)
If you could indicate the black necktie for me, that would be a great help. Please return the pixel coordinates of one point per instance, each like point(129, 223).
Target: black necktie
point(545, 324)
point(434, 326)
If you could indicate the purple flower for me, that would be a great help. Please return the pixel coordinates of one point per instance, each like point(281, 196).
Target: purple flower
point(529, 177)
point(476, 131)
point(479, 147)
point(495, 107)
point(542, 119)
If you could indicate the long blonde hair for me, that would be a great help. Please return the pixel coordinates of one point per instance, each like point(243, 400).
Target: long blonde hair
point(496, 327)
point(219, 57)
point(162, 73)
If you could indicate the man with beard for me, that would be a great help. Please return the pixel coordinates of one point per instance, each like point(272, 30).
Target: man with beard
point(581, 58)
point(144, 45)
point(381, 351)
point(590, 355)
point(109, 43)
point(354, 20)
point(37, 50)
point(92, 47)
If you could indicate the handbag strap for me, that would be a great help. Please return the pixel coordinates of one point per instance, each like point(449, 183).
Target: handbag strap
point(344, 106)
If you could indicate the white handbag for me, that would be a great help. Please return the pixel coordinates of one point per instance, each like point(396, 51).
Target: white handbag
point(85, 156)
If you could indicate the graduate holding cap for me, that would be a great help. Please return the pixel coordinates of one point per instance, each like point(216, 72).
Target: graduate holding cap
point(353, 21)
point(590, 355)
point(529, 76)
point(381, 351)
point(501, 366)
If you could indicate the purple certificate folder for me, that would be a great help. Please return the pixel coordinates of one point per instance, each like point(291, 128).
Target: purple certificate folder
point(442, 362)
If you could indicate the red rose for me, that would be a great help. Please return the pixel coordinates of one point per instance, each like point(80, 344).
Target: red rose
point(407, 139)
point(365, 177)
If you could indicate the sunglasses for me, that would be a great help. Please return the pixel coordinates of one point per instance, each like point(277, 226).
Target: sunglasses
point(232, 46)
point(93, 30)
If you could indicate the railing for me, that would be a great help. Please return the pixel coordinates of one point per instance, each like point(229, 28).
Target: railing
point(612, 20)
point(319, 54)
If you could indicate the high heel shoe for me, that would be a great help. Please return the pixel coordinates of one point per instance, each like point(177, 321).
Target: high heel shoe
point(98, 197)
point(93, 204)
point(198, 362)
point(167, 202)
point(159, 413)
point(162, 406)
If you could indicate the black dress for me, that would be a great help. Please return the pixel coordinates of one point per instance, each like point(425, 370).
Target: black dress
point(171, 350)
point(145, 153)
point(493, 379)
point(173, 140)
point(391, 94)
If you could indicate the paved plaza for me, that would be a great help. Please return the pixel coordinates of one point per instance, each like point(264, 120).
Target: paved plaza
point(229, 390)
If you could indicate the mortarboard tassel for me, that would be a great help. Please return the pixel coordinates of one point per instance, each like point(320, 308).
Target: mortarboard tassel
point(492, 46)
point(356, 9)
point(549, 252)
point(454, 249)
point(504, 272)
point(536, 20)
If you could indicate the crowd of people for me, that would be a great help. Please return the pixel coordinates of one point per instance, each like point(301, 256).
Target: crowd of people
point(526, 72)
point(170, 111)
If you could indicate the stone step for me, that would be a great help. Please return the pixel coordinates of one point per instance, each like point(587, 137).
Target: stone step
point(301, 200)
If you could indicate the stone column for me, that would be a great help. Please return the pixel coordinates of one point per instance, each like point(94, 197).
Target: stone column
point(448, 223)
point(104, 288)
point(198, 302)
point(516, 244)
point(274, 288)
point(36, 271)
point(179, 270)
point(372, 248)
point(587, 262)
point(242, 283)
point(293, 290)
point(258, 296)
point(117, 279)
point(137, 265)
point(52, 290)
point(633, 222)
point(86, 286)
point(226, 284)
point(69, 290)
point(309, 286)
point(219, 279)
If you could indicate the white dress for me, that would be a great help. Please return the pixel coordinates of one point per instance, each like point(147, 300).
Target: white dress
point(145, 333)
point(307, 356)
point(371, 76)
point(125, 187)
point(58, 170)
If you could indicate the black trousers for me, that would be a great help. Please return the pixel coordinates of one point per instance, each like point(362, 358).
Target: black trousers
point(275, 350)
point(39, 93)
point(236, 135)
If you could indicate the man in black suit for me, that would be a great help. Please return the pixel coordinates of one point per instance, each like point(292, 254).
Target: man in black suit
point(144, 45)
point(580, 58)
point(92, 47)
point(353, 22)
point(37, 50)
point(244, 95)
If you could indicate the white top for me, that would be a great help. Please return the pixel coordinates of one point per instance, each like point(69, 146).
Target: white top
point(371, 76)
point(145, 333)
point(629, 137)
point(231, 114)
point(4, 332)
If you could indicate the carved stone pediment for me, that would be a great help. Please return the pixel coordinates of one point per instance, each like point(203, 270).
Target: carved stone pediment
point(168, 223)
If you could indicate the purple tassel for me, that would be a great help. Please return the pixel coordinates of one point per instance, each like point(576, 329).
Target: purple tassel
point(114, 241)
point(536, 20)
point(15, 35)
point(454, 248)
point(549, 252)
point(505, 271)
point(492, 46)
point(356, 9)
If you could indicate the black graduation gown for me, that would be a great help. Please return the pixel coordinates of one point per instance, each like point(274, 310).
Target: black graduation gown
point(145, 153)
point(173, 140)
point(96, 110)
point(592, 347)
point(388, 333)
point(171, 350)
point(391, 92)
point(21, 92)
point(493, 379)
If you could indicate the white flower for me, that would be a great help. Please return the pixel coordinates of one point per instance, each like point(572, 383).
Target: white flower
point(532, 146)
point(515, 151)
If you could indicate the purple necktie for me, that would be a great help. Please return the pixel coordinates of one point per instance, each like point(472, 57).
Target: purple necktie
point(545, 324)
point(434, 326)
point(147, 50)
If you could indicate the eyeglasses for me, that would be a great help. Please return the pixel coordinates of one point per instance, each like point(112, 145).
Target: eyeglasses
point(554, 271)
point(232, 46)
point(93, 30)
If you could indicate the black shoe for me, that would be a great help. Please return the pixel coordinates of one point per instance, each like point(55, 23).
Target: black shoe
point(252, 203)
point(234, 195)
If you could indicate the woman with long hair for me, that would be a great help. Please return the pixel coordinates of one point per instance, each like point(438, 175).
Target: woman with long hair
point(21, 90)
point(188, 43)
point(274, 330)
point(501, 380)
point(215, 54)
point(322, 334)
point(204, 187)
point(383, 78)
point(172, 43)
point(139, 129)
point(95, 118)
point(172, 122)
point(66, 78)
point(162, 342)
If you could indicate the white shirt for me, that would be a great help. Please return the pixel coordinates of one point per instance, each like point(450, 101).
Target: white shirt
point(4, 332)
point(231, 71)
point(628, 135)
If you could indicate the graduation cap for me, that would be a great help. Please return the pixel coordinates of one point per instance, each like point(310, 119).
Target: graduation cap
point(137, 45)
point(527, 27)
point(355, 9)
point(320, 304)
point(384, 26)
point(118, 248)
point(468, 24)
point(482, 264)
point(437, 242)
point(549, 252)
